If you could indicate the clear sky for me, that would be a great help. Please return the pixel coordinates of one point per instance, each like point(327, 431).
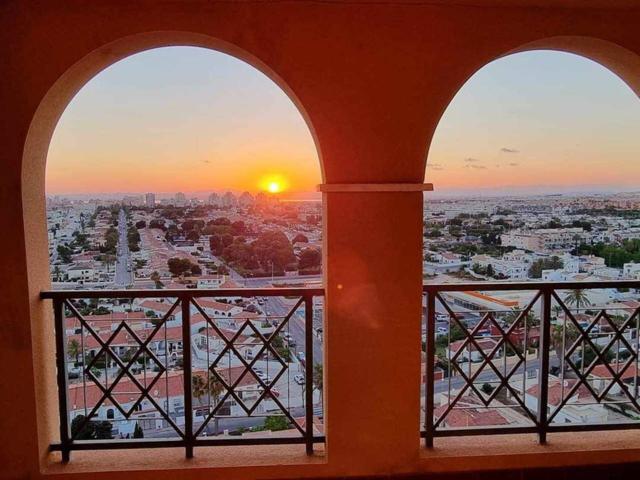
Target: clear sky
point(195, 120)
point(539, 122)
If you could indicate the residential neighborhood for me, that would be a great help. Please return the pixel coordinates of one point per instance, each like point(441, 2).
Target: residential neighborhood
point(231, 241)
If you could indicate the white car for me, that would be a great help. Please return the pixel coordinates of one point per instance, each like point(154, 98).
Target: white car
point(299, 379)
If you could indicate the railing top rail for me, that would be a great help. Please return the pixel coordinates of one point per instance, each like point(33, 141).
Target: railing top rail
point(506, 286)
point(188, 292)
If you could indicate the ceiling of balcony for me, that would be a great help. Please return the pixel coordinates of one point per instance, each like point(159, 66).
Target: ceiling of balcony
point(500, 3)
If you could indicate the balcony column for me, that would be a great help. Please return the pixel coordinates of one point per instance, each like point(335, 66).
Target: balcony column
point(373, 276)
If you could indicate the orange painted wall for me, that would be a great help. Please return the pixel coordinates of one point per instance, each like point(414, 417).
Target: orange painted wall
point(372, 81)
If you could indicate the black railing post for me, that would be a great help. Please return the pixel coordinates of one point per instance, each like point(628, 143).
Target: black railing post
point(185, 301)
point(544, 349)
point(430, 365)
point(61, 365)
point(308, 346)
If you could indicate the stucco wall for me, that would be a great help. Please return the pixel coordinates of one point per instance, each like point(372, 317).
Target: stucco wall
point(372, 82)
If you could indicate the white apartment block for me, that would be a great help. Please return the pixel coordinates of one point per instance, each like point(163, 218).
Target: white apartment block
point(543, 239)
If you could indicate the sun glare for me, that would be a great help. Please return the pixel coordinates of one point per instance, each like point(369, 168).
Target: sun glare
point(273, 184)
point(274, 187)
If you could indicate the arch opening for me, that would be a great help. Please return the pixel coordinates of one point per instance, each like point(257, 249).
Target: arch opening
point(275, 228)
point(536, 181)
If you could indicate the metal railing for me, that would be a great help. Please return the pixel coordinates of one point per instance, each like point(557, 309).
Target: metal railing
point(126, 365)
point(529, 358)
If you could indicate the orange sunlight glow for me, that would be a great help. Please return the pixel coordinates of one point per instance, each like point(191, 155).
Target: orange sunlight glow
point(273, 183)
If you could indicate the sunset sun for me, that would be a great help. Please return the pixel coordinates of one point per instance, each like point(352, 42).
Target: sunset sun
point(274, 184)
point(274, 187)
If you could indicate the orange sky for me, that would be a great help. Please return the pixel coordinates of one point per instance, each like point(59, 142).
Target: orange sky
point(194, 120)
point(180, 119)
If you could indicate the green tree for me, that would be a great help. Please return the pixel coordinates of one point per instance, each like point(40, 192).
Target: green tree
point(487, 388)
point(211, 388)
point(275, 423)
point(180, 266)
point(274, 252)
point(138, 432)
point(56, 273)
point(310, 260)
point(91, 430)
point(536, 268)
point(588, 355)
point(577, 298)
point(490, 272)
point(561, 338)
point(74, 349)
point(318, 378)
point(110, 241)
point(155, 276)
point(64, 252)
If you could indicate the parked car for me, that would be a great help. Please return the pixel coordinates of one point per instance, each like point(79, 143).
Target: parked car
point(299, 379)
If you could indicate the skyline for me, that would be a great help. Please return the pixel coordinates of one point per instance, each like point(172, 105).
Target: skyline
point(515, 114)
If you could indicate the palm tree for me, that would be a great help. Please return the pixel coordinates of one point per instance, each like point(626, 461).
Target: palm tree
point(56, 273)
point(198, 387)
point(577, 298)
point(155, 276)
point(214, 388)
point(73, 349)
point(211, 388)
point(562, 337)
point(557, 310)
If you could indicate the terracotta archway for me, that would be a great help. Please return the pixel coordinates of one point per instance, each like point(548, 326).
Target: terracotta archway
point(34, 160)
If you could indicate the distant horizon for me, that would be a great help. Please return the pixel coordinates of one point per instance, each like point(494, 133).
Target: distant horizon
point(511, 191)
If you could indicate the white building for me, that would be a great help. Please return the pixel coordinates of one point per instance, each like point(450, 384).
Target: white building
point(631, 271)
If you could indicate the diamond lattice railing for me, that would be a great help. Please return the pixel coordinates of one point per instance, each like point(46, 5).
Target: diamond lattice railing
point(118, 391)
point(501, 340)
point(232, 386)
point(578, 376)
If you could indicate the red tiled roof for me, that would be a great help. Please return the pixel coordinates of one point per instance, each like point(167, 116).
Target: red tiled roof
point(470, 413)
point(557, 393)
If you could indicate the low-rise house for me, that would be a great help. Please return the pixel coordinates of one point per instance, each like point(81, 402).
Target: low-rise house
point(600, 377)
point(469, 352)
point(580, 408)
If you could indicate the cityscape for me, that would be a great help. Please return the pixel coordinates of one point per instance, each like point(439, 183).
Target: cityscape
point(225, 241)
point(228, 240)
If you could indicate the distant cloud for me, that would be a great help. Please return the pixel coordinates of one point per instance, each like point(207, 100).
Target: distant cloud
point(513, 164)
point(435, 166)
point(471, 160)
point(477, 167)
point(509, 150)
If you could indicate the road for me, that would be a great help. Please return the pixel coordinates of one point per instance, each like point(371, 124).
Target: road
point(276, 308)
point(486, 376)
point(124, 270)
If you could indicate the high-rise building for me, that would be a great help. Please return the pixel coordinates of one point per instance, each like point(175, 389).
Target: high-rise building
point(229, 200)
point(246, 199)
point(180, 199)
point(150, 200)
point(214, 200)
